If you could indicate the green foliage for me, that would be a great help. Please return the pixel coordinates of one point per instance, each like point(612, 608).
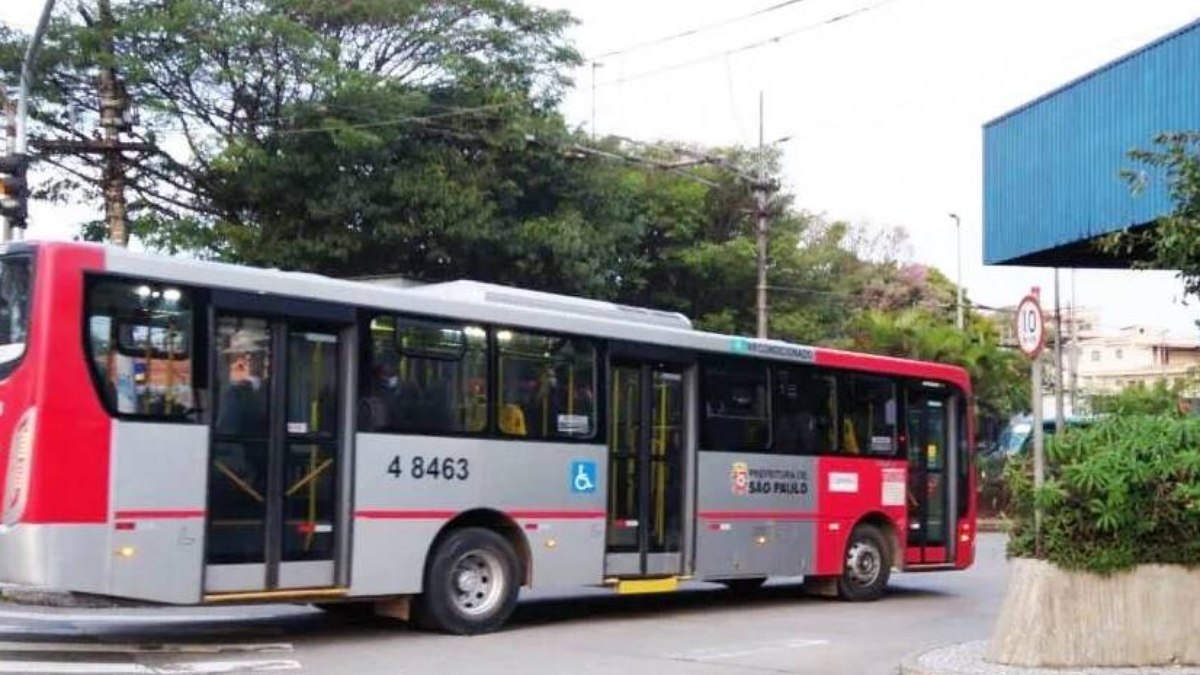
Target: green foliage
point(1001, 388)
point(257, 113)
point(1173, 241)
point(1122, 492)
point(1138, 399)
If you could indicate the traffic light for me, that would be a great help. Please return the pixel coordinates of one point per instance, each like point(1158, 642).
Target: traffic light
point(14, 190)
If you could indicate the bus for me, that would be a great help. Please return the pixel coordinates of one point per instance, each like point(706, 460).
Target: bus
point(185, 432)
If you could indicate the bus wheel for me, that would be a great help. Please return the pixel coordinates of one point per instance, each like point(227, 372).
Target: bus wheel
point(868, 565)
point(744, 586)
point(471, 583)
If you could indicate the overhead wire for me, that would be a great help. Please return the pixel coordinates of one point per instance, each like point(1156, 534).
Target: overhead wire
point(758, 44)
point(694, 31)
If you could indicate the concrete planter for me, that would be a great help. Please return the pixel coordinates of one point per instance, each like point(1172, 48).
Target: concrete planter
point(1149, 616)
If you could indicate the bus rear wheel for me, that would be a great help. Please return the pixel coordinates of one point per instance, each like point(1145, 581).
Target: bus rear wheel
point(867, 566)
point(471, 583)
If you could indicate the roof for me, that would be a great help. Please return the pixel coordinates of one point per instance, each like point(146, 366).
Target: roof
point(1053, 167)
point(479, 292)
point(518, 308)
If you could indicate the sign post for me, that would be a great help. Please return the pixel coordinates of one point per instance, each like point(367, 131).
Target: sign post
point(1031, 338)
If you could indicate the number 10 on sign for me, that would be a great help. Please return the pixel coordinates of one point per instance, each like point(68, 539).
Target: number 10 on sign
point(1031, 327)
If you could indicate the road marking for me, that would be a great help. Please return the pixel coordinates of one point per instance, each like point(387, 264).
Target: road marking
point(130, 618)
point(40, 667)
point(207, 667)
point(181, 668)
point(130, 648)
point(718, 653)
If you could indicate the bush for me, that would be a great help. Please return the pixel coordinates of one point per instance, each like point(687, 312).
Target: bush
point(1122, 492)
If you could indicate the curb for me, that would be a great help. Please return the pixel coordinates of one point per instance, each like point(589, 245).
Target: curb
point(910, 665)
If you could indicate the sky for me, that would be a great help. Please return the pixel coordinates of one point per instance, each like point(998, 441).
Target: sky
point(883, 110)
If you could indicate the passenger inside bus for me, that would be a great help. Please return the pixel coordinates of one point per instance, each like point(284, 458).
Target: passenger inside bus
point(242, 408)
point(380, 407)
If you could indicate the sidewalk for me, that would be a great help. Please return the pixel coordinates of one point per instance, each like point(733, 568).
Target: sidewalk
point(967, 659)
point(993, 525)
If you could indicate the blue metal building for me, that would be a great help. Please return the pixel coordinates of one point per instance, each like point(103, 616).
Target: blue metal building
point(1052, 167)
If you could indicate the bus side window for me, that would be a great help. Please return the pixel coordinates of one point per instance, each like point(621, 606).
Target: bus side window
point(736, 407)
point(424, 375)
point(141, 342)
point(546, 385)
point(803, 411)
point(867, 406)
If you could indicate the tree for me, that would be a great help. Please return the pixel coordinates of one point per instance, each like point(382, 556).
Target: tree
point(1001, 390)
point(1173, 241)
point(224, 86)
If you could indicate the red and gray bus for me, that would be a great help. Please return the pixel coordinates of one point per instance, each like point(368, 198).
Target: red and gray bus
point(186, 432)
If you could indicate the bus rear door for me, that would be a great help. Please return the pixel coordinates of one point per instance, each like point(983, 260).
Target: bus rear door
point(932, 463)
point(648, 436)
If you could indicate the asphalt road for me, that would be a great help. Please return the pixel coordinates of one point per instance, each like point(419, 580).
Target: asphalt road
point(703, 630)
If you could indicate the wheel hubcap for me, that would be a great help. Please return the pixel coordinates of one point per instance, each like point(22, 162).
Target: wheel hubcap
point(477, 582)
point(863, 563)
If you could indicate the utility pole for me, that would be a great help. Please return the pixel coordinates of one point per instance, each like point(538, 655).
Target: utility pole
point(112, 118)
point(595, 65)
point(10, 148)
point(1073, 355)
point(1059, 422)
point(760, 232)
point(114, 104)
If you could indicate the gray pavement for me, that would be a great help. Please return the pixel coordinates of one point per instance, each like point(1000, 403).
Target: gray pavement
point(701, 630)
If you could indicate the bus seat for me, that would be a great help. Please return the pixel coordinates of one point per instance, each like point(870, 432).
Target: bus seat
point(849, 437)
point(512, 420)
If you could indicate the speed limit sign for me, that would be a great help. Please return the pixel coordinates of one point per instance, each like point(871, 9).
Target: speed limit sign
point(1031, 327)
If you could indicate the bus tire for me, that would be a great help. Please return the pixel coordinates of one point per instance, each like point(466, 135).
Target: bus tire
point(471, 583)
point(744, 586)
point(867, 565)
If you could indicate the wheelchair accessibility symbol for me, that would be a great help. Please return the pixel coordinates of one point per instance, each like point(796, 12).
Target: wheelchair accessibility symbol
point(583, 476)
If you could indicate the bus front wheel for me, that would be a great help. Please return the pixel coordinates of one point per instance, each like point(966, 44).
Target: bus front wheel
point(471, 583)
point(867, 566)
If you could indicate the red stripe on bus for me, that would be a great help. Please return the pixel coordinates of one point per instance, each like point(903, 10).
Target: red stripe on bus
point(442, 515)
point(758, 515)
point(159, 514)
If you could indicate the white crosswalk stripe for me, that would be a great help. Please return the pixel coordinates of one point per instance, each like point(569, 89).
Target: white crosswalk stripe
point(142, 659)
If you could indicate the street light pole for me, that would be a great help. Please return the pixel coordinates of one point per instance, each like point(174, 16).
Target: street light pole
point(31, 51)
point(958, 283)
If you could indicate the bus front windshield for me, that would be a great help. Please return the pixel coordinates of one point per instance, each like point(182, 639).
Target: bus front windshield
point(15, 290)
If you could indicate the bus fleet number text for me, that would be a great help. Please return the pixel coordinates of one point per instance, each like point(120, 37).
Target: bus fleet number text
point(419, 468)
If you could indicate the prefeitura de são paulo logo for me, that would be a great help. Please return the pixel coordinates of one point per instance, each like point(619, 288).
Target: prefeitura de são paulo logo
point(739, 478)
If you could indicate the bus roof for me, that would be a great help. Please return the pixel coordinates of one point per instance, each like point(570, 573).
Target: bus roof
point(490, 303)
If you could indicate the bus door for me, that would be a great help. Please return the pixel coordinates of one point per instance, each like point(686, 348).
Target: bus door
point(932, 464)
point(647, 440)
point(274, 518)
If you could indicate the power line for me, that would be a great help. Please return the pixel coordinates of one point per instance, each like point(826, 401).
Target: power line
point(449, 111)
point(694, 31)
point(775, 39)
